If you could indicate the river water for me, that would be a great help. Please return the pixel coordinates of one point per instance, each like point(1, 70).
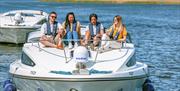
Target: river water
point(155, 31)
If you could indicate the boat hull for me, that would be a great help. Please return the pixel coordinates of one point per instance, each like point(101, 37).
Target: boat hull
point(78, 85)
point(14, 35)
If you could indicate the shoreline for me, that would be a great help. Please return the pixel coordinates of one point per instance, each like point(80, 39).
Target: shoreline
point(116, 1)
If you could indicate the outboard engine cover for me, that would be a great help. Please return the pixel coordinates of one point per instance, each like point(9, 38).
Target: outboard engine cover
point(8, 86)
point(81, 54)
point(18, 18)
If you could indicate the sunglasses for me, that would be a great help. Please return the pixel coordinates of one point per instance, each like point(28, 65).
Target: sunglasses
point(53, 16)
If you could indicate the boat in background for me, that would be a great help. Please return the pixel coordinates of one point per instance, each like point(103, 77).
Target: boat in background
point(14, 25)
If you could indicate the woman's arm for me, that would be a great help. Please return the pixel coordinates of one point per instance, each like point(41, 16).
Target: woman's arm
point(79, 29)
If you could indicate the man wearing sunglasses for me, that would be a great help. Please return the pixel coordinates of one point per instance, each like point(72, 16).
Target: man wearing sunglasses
point(51, 32)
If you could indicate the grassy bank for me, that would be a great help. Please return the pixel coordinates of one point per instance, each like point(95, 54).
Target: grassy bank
point(151, 2)
point(115, 1)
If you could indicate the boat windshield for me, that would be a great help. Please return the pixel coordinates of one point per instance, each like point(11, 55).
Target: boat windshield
point(26, 60)
point(23, 14)
point(11, 14)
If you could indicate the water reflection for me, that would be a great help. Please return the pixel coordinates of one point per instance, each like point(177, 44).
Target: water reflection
point(154, 29)
point(6, 48)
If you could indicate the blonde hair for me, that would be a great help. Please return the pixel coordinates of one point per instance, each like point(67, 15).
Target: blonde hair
point(119, 18)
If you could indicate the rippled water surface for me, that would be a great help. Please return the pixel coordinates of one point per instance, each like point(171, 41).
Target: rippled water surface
point(155, 30)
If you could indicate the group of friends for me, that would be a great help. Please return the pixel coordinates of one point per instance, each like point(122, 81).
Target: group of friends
point(53, 33)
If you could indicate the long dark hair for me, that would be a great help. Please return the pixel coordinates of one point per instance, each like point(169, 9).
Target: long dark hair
point(93, 15)
point(67, 21)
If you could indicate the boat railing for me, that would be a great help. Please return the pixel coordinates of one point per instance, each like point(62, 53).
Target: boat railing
point(98, 49)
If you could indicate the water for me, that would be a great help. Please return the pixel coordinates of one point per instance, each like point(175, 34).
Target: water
point(155, 30)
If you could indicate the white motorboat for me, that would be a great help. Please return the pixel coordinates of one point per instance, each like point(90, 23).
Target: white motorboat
point(14, 25)
point(78, 69)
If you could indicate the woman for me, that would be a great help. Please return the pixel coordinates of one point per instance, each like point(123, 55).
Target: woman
point(72, 30)
point(116, 32)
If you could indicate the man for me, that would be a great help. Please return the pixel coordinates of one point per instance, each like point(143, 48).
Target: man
point(94, 30)
point(51, 32)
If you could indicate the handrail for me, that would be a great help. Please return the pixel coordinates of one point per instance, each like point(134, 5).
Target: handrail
point(70, 59)
point(96, 55)
point(48, 51)
point(40, 49)
point(65, 55)
point(128, 38)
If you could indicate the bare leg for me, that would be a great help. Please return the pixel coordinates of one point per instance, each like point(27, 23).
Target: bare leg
point(47, 41)
point(96, 41)
point(87, 37)
point(105, 43)
point(59, 41)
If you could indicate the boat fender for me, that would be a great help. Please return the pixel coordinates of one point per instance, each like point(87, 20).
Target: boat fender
point(8, 86)
point(73, 89)
point(39, 89)
point(147, 86)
